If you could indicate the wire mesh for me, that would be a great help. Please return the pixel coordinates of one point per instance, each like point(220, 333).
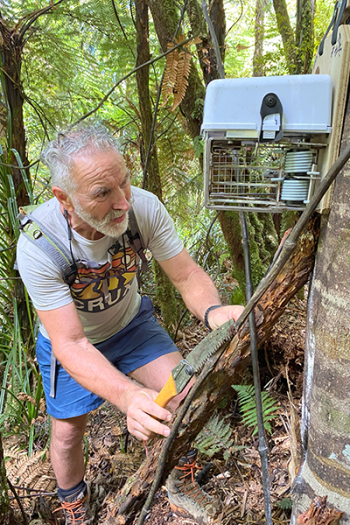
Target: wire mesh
point(249, 175)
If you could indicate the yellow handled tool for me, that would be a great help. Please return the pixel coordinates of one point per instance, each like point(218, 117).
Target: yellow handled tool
point(182, 373)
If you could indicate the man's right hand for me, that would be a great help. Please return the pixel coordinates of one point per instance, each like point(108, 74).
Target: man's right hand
point(143, 414)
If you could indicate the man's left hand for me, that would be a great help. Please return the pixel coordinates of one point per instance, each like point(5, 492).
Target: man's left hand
point(219, 316)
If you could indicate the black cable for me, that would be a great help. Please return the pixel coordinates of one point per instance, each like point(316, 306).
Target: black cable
point(256, 373)
point(252, 328)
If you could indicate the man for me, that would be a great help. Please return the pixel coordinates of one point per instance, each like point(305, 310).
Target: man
point(101, 332)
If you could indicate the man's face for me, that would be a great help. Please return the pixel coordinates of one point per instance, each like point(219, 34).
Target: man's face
point(102, 197)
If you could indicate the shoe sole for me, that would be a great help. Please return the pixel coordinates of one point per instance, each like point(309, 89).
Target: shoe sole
point(184, 514)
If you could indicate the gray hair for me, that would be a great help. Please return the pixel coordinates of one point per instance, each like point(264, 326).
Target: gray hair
point(59, 154)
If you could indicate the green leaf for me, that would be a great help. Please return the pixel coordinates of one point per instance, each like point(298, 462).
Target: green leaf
point(198, 146)
point(285, 503)
point(247, 405)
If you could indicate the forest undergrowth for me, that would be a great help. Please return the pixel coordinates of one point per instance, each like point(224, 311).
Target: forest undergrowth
point(232, 473)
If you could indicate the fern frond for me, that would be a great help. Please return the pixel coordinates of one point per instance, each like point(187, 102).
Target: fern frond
point(171, 65)
point(215, 436)
point(247, 405)
point(183, 72)
point(177, 71)
point(34, 471)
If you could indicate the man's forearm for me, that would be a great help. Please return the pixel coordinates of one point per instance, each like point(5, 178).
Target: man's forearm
point(198, 293)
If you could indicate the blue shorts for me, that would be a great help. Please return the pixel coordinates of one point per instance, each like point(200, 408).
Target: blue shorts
point(139, 343)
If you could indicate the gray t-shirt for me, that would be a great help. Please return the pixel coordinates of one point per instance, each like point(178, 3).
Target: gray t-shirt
point(105, 291)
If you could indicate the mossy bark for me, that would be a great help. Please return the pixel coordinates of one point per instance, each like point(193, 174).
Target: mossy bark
point(165, 294)
point(304, 36)
point(298, 46)
point(287, 34)
point(259, 30)
point(262, 239)
point(165, 291)
point(325, 470)
point(205, 48)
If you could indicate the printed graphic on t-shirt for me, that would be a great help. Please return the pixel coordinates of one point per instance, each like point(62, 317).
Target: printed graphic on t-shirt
point(97, 289)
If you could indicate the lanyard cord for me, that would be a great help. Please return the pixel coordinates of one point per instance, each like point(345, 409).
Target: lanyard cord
point(69, 233)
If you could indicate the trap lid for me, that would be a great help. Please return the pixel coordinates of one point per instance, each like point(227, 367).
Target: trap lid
point(233, 105)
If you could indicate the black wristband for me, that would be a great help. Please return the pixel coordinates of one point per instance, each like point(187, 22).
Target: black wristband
point(207, 313)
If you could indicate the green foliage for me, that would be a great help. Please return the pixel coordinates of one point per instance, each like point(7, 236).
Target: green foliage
point(21, 394)
point(285, 503)
point(23, 412)
point(198, 146)
point(247, 404)
point(215, 437)
point(237, 296)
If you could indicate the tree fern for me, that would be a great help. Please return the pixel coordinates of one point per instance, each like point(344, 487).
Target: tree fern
point(247, 405)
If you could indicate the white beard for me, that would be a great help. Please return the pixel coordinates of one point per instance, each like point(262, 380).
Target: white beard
point(104, 226)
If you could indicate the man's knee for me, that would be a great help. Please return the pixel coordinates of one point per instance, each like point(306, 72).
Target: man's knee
point(174, 403)
point(68, 433)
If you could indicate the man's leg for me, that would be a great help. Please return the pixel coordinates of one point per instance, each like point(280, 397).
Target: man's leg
point(66, 450)
point(156, 373)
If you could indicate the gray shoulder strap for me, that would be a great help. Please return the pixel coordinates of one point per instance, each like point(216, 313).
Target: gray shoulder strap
point(47, 241)
point(136, 241)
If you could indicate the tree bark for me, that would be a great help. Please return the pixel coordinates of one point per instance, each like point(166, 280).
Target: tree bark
point(258, 61)
point(11, 58)
point(326, 400)
point(165, 291)
point(205, 49)
point(262, 240)
point(304, 36)
point(286, 32)
point(227, 371)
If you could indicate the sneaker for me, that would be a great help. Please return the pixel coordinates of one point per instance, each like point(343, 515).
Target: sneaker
point(186, 497)
point(76, 508)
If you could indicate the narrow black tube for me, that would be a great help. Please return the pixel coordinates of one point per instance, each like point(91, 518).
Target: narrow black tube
point(256, 374)
point(252, 328)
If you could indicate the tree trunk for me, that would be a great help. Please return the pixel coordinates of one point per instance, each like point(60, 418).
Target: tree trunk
point(326, 415)
point(227, 371)
point(304, 36)
point(258, 61)
point(205, 49)
point(286, 32)
point(262, 240)
point(11, 57)
point(165, 291)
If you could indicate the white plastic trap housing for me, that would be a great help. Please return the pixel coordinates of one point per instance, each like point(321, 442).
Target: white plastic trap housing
point(264, 138)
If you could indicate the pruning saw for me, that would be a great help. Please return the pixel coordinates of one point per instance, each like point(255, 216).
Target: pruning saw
point(187, 368)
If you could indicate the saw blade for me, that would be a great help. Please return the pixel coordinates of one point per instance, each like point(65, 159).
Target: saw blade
point(211, 344)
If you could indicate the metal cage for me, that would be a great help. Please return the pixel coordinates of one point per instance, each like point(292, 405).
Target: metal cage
point(261, 177)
